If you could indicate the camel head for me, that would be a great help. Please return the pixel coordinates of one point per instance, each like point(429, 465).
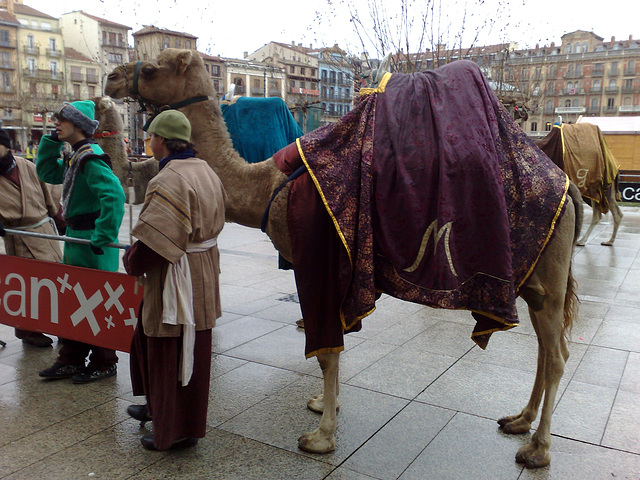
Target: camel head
point(107, 115)
point(175, 76)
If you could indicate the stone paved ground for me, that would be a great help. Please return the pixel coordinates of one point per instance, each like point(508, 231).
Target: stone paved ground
point(418, 399)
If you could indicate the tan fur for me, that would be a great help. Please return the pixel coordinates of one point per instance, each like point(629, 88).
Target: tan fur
point(137, 173)
point(179, 75)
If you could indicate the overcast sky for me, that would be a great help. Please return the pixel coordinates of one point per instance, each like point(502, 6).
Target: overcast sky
point(230, 28)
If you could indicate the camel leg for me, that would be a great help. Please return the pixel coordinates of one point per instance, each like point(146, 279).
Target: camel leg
point(594, 221)
point(322, 439)
point(316, 403)
point(617, 216)
point(521, 423)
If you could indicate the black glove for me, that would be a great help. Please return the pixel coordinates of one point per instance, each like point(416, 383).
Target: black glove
point(2, 232)
point(54, 136)
point(96, 250)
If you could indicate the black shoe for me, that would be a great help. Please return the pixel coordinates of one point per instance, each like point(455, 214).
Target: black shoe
point(37, 340)
point(58, 371)
point(184, 442)
point(90, 374)
point(139, 412)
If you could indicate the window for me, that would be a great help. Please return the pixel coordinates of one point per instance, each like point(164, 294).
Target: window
point(628, 84)
point(54, 90)
point(534, 126)
point(611, 103)
point(302, 71)
point(614, 68)
point(567, 103)
point(595, 102)
point(585, 47)
point(112, 38)
point(53, 68)
point(76, 73)
point(52, 44)
point(575, 103)
point(187, 44)
point(630, 67)
point(31, 66)
point(45, 26)
point(115, 58)
point(30, 42)
point(579, 69)
point(612, 83)
point(92, 91)
point(547, 126)
point(596, 86)
point(215, 70)
point(92, 75)
point(76, 90)
point(551, 88)
point(292, 69)
point(166, 42)
point(576, 47)
point(5, 60)
point(5, 40)
point(5, 81)
point(323, 75)
point(33, 88)
point(568, 49)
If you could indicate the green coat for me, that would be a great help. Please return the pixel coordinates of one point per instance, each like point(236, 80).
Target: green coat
point(96, 188)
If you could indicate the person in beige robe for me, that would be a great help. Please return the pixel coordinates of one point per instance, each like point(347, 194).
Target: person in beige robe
point(27, 204)
point(183, 213)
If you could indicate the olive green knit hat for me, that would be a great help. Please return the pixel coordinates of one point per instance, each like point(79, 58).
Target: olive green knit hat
point(172, 125)
point(81, 113)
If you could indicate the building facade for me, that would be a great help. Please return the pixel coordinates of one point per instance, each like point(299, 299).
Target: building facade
point(150, 41)
point(335, 83)
point(255, 79)
point(217, 68)
point(301, 69)
point(583, 76)
point(10, 113)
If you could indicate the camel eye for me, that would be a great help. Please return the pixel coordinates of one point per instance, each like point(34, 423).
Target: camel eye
point(112, 76)
point(149, 70)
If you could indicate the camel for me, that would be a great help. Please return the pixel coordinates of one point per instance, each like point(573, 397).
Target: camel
point(178, 78)
point(581, 151)
point(111, 139)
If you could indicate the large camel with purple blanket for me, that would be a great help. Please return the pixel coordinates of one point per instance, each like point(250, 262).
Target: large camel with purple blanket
point(513, 236)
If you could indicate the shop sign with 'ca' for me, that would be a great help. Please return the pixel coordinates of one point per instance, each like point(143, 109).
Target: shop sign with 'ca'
point(92, 306)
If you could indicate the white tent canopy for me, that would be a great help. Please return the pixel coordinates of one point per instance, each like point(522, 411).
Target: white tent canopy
point(620, 125)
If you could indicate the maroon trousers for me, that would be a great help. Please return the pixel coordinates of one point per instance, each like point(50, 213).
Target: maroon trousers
point(176, 411)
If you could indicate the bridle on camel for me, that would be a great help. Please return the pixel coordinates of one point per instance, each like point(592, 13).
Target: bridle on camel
point(146, 105)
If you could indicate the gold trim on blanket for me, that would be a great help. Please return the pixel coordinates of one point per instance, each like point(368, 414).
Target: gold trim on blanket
point(551, 230)
point(380, 88)
point(320, 351)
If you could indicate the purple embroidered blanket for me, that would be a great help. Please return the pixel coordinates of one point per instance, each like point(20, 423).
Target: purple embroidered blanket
point(437, 197)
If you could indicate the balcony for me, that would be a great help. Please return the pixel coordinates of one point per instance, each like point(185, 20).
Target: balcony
point(92, 78)
point(7, 89)
point(612, 89)
point(77, 77)
point(31, 50)
point(614, 72)
point(6, 66)
point(630, 109)
point(43, 75)
point(629, 89)
point(595, 90)
point(118, 44)
point(7, 44)
point(575, 91)
point(573, 75)
point(53, 53)
point(597, 73)
point(548, 111)
point(593, 110)
point(610, 110)
point(561, 110)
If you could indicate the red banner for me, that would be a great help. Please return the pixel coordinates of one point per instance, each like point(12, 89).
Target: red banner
point(91, 306)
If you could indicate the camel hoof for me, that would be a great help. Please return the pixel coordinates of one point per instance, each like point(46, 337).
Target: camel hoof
point(316, 442)
point(514, 425)
point(316, 404)
point(300, 323)
point(580, 243)
point(607, 244)
point(533, 457)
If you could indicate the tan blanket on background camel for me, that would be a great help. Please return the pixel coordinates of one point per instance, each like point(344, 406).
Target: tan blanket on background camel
point(586, 158)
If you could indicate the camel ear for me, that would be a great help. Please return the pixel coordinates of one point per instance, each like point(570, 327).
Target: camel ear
point(183, 59)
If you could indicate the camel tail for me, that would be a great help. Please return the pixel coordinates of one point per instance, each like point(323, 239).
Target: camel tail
point(571, 301)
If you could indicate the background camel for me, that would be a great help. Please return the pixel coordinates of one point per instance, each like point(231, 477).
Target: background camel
point(582, 152)
point(110, 137)
point(180, 76)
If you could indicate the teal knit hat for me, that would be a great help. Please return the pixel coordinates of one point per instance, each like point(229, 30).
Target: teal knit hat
point(172, 125)
point(81, 114)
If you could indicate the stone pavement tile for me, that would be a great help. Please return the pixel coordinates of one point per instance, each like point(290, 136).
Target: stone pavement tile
point(572, 460)
point(114, 453)
point(240, 331)
point(615, 275)
point(283, 348)
point(247, 301)
point(468, 447)
point(597, 290)
point(590, 316)
point(281, 418)
point(405, 372)
point(243, 387)
point(623, 429)
point(401, 329)
point(31, 404)
point(284, 310)
point(631, 376)
point(583, 412)
point(361, 356)
point(601, 366)
point(624, 314)
point(481, 389)
point(224, 456)
point(391, 450)
point(51, 440)
point(343, 473)
point(619, 334)
point(221, 364)
point(227, 317)
point(445, 338)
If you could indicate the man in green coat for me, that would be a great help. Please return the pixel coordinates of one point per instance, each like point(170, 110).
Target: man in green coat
point(92, 207)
